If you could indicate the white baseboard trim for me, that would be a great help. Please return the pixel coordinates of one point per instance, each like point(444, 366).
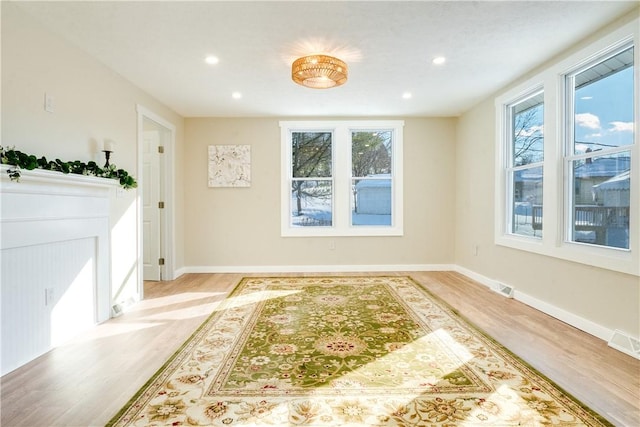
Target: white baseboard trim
point(566, 316)
point(315, 268)
point(484, 280)
point(179, 272)
point(625, 343)
point(616, 339)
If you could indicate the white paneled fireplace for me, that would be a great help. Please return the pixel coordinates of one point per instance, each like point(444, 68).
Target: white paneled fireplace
point(55, 260)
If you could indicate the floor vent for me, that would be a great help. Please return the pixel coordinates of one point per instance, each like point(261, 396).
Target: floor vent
point(502, 289)
point(625, 343)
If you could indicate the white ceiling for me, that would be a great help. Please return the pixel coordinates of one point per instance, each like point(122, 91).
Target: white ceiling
point(160, 47)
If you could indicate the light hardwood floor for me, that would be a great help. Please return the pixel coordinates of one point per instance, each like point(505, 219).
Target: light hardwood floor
point(85, 382)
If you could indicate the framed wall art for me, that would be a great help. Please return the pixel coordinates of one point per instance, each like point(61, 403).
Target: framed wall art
point(229, 166)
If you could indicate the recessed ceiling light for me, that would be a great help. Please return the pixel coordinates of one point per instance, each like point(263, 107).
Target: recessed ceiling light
point(407, 95)
point(236, 95)
point(439, 60)
point(211, 60)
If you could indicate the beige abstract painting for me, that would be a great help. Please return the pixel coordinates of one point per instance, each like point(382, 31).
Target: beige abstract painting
point(229, 166)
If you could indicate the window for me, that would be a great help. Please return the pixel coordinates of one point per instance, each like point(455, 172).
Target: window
point(524, 167)
point(311, 180)
point(341, 178)
point(567, 141)
point(371, 164)
point(599, 156)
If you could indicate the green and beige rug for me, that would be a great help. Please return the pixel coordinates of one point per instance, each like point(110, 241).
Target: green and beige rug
point(345, 351)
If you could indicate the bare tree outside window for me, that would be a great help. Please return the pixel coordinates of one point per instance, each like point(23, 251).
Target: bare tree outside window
point(370, 153)
point(528, 137)
point(311, 186)
point(525, 170)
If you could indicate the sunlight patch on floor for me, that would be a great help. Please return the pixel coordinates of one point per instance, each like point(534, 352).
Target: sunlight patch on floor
point(254, 297)
point(399, 358)
point(171, 299)
point(110, 329)
point(124, 325)
point(190, 312)
point(205, 309)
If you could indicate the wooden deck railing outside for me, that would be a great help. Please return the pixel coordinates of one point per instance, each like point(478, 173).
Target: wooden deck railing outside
point(590, 218)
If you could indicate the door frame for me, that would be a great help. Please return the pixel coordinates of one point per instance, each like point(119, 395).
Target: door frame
point(168, 228)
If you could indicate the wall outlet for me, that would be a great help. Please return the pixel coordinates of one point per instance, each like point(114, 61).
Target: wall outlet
point(332, 245)
point(49, 296)
point(48, 103)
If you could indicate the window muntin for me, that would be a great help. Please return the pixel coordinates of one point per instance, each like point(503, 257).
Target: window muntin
point(311, 179)
point(320, 194)
point(371, 178)
point(525, 165)
point(602, 114)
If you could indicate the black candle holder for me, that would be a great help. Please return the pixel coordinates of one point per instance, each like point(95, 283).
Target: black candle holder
point(107, 155)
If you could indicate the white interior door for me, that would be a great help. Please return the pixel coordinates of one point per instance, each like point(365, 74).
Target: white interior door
point(151, 221)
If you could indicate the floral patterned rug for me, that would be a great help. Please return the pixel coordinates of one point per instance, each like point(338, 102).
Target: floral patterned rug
point(345, 351)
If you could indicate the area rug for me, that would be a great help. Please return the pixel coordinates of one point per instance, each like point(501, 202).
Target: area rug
point(345, 351)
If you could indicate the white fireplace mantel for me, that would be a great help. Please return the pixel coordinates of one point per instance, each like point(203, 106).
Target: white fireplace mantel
point(55, 273)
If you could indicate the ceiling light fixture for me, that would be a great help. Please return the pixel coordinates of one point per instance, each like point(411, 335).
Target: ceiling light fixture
point(319, 71)
point(439, 60)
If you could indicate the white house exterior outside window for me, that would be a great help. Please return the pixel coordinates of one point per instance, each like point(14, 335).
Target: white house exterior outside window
point(588, 103)
point(341, 178)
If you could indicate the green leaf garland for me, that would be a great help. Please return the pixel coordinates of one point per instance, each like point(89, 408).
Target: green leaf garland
point(20, 160)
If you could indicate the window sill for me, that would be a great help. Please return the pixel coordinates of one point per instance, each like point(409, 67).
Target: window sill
point(341, 232)
point(620, 260)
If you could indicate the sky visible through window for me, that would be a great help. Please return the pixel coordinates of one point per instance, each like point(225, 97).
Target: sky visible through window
point(604, 113)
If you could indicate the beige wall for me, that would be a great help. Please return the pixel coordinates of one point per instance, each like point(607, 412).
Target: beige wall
point(607, 298)
point(241, 226)
point(448, 183)
point(91, 103)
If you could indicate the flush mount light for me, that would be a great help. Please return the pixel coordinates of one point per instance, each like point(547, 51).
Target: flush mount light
point(319, 71)
point(439, 60)
point(211, 60)
point(407, 95)
point(236, 95)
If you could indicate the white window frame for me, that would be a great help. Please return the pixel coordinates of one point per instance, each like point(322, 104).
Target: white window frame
point(341, 174)
point(510, 168)
point(554, 242)
point(569, 137)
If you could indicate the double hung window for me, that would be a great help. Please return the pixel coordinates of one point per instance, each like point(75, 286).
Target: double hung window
point(567, 157)
point(341, 178)
point(525, 165)
point(598, 157)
